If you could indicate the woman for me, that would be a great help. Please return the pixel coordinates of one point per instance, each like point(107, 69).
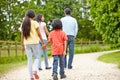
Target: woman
point(43, 31)
point(30, 42)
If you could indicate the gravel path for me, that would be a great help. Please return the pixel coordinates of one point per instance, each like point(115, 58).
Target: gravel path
point(85, 67)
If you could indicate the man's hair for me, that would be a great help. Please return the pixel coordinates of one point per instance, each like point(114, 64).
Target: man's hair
point(67, 11)
point(56, 24)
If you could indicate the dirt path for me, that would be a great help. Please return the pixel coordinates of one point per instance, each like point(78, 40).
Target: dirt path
point(85, 67)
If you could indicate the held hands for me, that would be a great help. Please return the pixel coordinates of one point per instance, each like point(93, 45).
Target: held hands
point(44, 47)
point(64, 53)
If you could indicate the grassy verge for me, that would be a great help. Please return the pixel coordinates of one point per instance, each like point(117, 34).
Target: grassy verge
point(111, 58)
point(8, 64)
point(4, 68)
point(91, 48)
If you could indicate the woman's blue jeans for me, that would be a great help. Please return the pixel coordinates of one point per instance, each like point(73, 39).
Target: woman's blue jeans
point(45, 55)
point(32, 51)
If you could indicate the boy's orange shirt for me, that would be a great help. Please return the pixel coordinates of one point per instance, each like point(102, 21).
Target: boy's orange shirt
point(57, 37)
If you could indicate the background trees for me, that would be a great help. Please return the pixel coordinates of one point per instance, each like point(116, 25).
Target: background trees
point(106, 17)
point(12, 13)
point(10, 19)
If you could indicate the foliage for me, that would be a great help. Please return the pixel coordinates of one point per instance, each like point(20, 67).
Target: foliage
point(88, 32)
point(106, 17)
point(10, 18)
point(13, 13)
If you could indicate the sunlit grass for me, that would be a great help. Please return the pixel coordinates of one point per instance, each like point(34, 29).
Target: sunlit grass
point(11, 64)
point(90, 48)
point(111, 58)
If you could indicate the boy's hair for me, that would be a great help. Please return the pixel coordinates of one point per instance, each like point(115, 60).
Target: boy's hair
point(67, 11)
point(56, 24)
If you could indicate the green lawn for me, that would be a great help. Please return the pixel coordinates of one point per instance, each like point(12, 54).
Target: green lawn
point(91, 48)
point(111, 58)
point(10, 63)
point(4, 68)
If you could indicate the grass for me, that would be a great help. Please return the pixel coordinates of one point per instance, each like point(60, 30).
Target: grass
point(111, 58)
point(13, 59)
point(4, 53)
point(91, 48)
point(10, 63)
point(4, 68)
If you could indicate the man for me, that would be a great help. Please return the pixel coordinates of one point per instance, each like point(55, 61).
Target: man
point(70, 27)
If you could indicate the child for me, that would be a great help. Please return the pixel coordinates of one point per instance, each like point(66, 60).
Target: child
point(58, 40)
point(30, 42)
point(43, 31)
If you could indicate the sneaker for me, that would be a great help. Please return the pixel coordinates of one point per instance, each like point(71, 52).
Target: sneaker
point(40, 68)
point(36, 75)
point(48, 68)
point(63, 76)
point(32, 79)
point(70, 67)
point(55, 78)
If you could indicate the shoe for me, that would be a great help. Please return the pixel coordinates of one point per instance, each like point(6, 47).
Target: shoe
point(48, 68)
point(63, 76)
point(40, 69)
point(55, 78)
point(36, 75)
point(32, 79)
point(70, 67)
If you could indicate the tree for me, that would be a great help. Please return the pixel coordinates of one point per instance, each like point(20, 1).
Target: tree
point(11, 19)
point(13, 12)
point(55, 9)
point(3, 20)
point(87, 30)
point(106, 17)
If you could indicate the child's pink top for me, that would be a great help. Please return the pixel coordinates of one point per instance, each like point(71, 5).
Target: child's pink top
point(57, 37)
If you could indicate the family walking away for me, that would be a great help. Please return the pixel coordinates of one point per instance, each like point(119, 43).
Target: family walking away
point(70, 27)
point(30, 37)
point(43, 31)
point(34, 42)
point(58, 40)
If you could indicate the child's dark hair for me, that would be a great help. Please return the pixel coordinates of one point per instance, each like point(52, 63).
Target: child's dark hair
point(38, 19)
point(26, 25)
point(56, 24)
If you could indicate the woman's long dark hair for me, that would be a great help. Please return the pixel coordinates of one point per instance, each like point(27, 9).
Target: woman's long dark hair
point(26, 25)
point(39, 17)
